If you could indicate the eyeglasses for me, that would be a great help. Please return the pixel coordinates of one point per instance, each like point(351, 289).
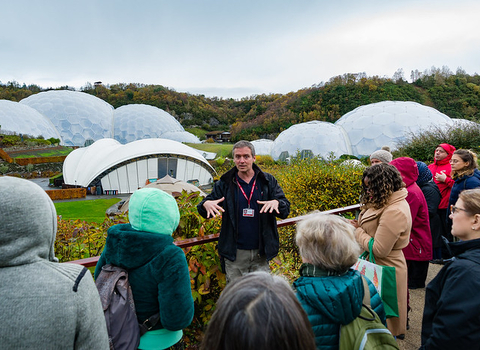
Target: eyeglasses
point(453, 209)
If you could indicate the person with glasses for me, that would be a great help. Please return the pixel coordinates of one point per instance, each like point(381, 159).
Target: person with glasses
point(451, 317)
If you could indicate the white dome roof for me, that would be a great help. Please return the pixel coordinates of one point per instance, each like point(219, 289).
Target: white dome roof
point(139, 121)
point(263, 146)
point(320, 138)
point(86, 164)
point(77, 116)
point(385, 123)
point(22, 119)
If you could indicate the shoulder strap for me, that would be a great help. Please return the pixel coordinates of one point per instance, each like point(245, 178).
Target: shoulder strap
point(366, 294)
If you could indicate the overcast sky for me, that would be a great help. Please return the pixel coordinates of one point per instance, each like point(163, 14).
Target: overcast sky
point(231, 48)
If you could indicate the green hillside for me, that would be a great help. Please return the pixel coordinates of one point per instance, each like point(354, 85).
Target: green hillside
point(264, 116)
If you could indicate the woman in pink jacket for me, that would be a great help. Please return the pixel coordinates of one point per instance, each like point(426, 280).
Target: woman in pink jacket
point(418, 252)
point(442, 175)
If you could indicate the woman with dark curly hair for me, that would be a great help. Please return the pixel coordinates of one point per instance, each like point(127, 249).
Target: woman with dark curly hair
point(385, 217)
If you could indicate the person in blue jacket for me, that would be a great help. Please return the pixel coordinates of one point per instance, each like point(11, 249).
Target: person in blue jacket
point(466, 175)
point(328, 289)
point(157, 268)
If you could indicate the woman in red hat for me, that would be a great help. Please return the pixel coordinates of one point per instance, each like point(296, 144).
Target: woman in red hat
point(442, 176)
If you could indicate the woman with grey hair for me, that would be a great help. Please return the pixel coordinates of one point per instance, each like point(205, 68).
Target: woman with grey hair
point(258, 311)
point(328, 289)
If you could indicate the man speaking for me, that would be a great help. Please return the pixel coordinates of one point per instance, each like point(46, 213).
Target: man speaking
point(249, 201)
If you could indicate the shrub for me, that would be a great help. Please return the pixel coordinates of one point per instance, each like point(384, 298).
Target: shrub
point(206, 277)
point(3, 169)
point(318, 184)
point(29, 167)
point(264, 160)
point(11, 140)
point(77, 239)
point(314, 184)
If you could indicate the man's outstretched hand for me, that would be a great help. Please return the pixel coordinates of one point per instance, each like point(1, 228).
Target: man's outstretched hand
point(269, 206)
point(212, 207)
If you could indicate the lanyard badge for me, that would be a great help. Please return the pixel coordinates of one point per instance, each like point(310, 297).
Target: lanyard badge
point(248, 212)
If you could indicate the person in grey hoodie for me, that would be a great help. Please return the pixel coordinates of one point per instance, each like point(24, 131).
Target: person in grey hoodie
point(44, 304)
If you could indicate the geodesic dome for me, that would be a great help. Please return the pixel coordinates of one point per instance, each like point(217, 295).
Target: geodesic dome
point(386, 123)
point(139, 121)
point(263, 146)
point(77, 116)
point(311, 139)
point(111, 166)
point(22, 119)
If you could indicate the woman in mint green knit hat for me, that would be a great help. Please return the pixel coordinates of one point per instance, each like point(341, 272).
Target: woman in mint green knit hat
point(157, 269)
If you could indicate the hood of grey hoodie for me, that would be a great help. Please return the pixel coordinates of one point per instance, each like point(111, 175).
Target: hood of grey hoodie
point(28, 223)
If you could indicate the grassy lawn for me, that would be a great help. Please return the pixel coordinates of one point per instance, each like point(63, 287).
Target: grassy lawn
point(221, 149)
point(88, 210)
point(44, 152)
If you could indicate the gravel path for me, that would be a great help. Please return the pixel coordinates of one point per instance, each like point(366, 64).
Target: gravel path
point(417, 302)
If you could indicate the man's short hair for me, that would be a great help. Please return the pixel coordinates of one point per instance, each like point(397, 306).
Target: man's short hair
point(242, 144)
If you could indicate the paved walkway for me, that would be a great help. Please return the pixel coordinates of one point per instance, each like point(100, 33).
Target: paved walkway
point(417, 301)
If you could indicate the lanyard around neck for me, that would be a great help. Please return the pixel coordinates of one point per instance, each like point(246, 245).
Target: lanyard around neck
point(243, 192)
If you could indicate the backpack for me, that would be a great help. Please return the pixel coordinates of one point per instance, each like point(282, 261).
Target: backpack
point(366, 332)
point(116, 296)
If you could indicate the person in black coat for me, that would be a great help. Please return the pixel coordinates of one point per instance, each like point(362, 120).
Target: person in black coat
point(433, 197)
point(451, 319)
point(249, 201)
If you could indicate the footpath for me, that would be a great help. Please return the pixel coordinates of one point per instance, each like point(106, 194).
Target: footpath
point(412, 339)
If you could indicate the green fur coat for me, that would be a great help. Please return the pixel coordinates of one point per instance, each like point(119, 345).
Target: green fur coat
point(158, 274)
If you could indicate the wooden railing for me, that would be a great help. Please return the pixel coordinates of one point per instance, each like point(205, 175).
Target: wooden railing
point(190, 242)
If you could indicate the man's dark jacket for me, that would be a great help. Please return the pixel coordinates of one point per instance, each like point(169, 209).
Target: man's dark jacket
point(451, 318)
point(227, 187)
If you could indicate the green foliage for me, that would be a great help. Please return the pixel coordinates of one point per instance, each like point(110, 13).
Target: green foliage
point(78, 239)
point(53, 141)
point(313, 184)
point(421, 146)
point(29, 167)
point(192, 224)
point(37, 142)
point(263, 160)
point(200, 133)
point(203, 261)
point(3, 169)
point(318, 184)
point(11, 140)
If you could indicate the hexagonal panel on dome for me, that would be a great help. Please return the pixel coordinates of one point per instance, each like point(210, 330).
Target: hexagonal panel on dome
point(22, 119)
point(72, 109)
point(138, 119)
point(321, 138)
point(386, 123)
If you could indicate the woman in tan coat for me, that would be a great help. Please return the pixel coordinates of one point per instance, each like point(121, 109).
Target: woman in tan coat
point(385, 216)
